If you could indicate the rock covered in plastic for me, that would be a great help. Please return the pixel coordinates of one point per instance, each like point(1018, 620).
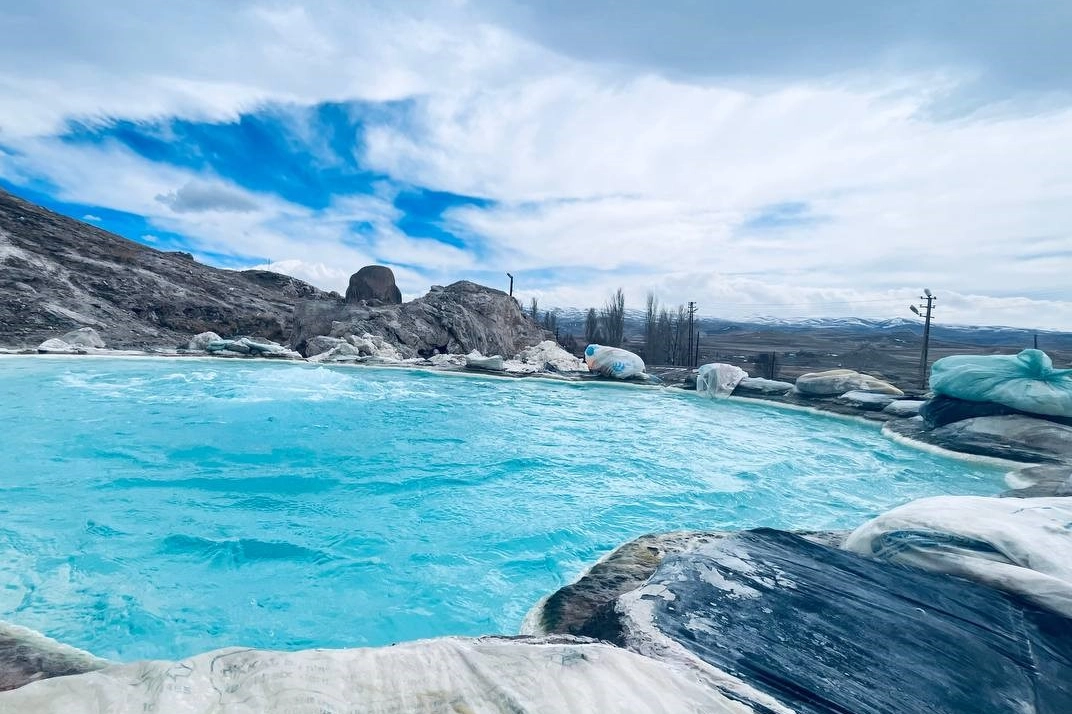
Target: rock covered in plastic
point(1023, 546)
point(1013, 438)
point(833, 382)
point(1026, 382)
point(201, 341)
point(559, 675)
point(613, 362)
point(903, 408)
point(799, 627)
point(352, 348)
point(475, 360)
point(250, 347)
point(760, 385)
point(940, 410)
point(718, 380)
point(84, 337)
point(56, 346)
point(867, 401)
point(551, 353)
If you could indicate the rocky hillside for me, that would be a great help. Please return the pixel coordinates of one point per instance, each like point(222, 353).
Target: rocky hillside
point(458, 318)
point(58, 274)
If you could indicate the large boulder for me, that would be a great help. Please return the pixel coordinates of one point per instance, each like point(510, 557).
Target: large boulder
point(758, 385)
point(201, 341)
point(461, 317)
point(838, 381)
point(550, 355)
point(1026, 382)
point(1023, 546)
point(797, 626)
point(56, 346)
point(940, 410)
point(84, 337)
point(718, 380)
point(374, 282)
point(867, 401)
point(1014, 437)
point(613, 362)
point(559, 675)
point(904, 408)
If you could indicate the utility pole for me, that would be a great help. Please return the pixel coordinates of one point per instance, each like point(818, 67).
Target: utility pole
point(692, 313)
point(928, 305)
point(511, 284)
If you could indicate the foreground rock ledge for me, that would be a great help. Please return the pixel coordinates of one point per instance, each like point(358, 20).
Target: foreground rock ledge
point(558, 675)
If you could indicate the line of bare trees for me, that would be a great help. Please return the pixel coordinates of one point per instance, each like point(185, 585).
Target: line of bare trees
point(607, 327)
point(666, 329)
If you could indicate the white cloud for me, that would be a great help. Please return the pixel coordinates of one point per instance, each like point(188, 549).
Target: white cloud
point(604, 173)
point(91, 218)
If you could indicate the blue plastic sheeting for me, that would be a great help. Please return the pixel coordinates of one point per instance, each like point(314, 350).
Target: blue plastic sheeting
point(1027, 381)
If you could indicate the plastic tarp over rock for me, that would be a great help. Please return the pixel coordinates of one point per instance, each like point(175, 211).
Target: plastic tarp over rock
point(802, 628)
point(557, 675)
point(1026, 381)
point(613, 362)
point(1023, 545)
point(718, 380)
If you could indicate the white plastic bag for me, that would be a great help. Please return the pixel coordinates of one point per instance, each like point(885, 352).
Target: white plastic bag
point(613, 362)
point(718, 380)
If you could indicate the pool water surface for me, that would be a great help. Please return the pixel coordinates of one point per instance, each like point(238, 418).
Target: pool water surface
point(158, 508)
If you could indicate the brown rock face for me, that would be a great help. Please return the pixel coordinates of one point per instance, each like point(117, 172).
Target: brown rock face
point(374, 282)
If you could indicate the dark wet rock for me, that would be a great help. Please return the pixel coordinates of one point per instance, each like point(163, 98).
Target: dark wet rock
point(751, 385)
point(867, 401)
point(1014, 437)
point(459, 318)
point(569, 609)
point(26, 656)
point(941, 410)
point(58, 275)
point(1043, 481)
point(822, 631)
point(904, 408)
point(374, 283)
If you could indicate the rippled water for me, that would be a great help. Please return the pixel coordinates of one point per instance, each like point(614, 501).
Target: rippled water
point(159, 508)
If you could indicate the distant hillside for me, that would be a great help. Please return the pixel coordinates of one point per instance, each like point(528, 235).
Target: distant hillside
point(572, 320)
point(57, 274)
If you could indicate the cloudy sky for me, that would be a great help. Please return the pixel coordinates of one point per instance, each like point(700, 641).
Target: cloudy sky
point(774, 157)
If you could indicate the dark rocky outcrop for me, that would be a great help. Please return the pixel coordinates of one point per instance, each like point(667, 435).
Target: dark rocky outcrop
point(27, 656)
point(819, 630)
point(462, 317)
point(571, 609)
point(941, 410)
point(58, 274)
point(1013, 437)
point(373, 283)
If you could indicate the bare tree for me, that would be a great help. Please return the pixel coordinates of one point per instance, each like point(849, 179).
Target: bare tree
point(612, 319)
point(591, 326)
point(651, 323)
point(534, 310)
point(550, 320)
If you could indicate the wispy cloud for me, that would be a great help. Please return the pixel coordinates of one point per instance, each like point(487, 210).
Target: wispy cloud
point(659, 152)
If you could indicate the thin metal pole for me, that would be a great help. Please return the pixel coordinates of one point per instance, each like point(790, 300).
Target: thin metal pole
point(926, 338)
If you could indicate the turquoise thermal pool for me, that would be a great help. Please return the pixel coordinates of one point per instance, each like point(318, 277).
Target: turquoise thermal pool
point(157, 508)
